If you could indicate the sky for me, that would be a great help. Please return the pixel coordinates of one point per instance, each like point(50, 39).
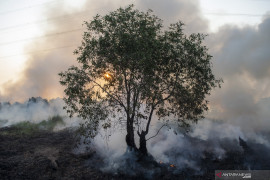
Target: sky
point(22, 22)
point(37, 40)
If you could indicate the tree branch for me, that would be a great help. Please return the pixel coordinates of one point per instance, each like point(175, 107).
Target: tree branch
point(135, 102)
point(128, 94)
point(120, 103)
point(149, 119)
point(162, 100)
point(157, 132)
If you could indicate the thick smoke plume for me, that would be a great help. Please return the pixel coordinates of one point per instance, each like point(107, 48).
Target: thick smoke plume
point(242, 59)
point(210, 145)
point(40, 77)
point(35, 110)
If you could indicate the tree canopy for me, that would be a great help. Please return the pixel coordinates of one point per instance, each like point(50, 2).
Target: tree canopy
point(131, 69)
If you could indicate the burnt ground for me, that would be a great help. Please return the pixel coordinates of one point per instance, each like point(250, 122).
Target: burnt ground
point(49, 155)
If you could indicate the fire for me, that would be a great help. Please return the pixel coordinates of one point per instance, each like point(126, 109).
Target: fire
point(171, 165)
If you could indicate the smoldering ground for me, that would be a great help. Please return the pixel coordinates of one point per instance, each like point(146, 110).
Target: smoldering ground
point(206, 143)
point(208, 146)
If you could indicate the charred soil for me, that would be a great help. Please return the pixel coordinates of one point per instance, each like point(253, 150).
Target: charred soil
point(49, 155)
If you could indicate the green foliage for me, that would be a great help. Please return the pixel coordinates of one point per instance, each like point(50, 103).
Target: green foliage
point(27, 128)
point(152, 71)
point(51, 123)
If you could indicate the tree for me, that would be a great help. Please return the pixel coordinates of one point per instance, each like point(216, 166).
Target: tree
point(131, 69)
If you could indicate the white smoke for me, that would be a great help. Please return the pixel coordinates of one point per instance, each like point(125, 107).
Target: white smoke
point(35, 110)
point(170, 146)
point(241, 57)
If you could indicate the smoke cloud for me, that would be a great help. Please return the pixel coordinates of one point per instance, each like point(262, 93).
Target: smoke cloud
point(187, 11)
point(40, 77)
point(208, 146)
point(35, 110)
point(241, 57)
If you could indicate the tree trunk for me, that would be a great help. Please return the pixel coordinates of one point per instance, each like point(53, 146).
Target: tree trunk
point(143, 148)
point(130, 136)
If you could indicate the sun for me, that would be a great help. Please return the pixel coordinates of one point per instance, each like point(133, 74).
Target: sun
point(107, 76)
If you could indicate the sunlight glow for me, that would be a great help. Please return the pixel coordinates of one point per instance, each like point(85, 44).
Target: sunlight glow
point(107, 76)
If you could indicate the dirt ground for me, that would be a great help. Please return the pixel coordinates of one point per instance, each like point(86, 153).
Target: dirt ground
point(49, 155)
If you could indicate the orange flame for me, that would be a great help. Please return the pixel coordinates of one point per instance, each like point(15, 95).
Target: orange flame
point(172, 165)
